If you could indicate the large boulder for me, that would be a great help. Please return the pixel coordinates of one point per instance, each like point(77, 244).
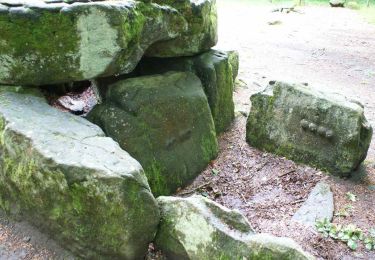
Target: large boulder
point(197, 228)
point(214, 69)
point(201, 16)
point(319, 129)
point(46, 42)
point(62, 174)
point(164, 121)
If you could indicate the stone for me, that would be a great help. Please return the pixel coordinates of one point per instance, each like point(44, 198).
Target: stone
point(163, 121)
point(198, 228)
point(323, 130)
point(214, 68)
point(49, 42)
point(319, 205)
point(234, 61)
point(201, 16)
point(337, 3)
point(59, 172)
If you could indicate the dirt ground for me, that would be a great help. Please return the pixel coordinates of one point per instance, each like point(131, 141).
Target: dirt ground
point(332, 49)
point(328, 48)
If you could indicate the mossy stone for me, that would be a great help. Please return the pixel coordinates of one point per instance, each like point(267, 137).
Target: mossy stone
point(324, 130)
point(201, 35)
point(163, 121)
point(62, 174)
point(215, 70)
point(45, 42)
point(197, 228)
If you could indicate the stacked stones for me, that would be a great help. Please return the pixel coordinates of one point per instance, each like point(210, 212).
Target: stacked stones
point(60, 171)
point(166, 96)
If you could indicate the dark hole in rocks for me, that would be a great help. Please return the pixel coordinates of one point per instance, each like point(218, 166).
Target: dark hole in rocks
point(78, 98)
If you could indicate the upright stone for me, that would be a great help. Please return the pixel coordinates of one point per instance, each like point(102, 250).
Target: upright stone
point(319, 129)
point(164, 121)
point(319, 205)
point(64, 176)
point(198, 228)
point(46, 42)
point(215, 70)
point(201, 16)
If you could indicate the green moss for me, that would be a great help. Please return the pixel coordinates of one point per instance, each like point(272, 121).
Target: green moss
point(89, 212)
point(209, 148)
point(157, 179)
point(164, 122)
point(27, 37)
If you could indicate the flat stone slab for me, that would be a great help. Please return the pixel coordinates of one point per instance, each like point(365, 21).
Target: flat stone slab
point(61, 173)
point(324, 130)
point(319, 205)
point(198, 228)
point(47, 42)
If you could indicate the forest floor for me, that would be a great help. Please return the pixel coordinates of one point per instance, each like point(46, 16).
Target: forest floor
point(332, 49)
point(329, 48)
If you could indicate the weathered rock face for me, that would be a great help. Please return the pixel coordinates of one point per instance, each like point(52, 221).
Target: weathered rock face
point(46, 42)
point(319, 129)
point(337, 3)
point(197, 228)
point(234, 60)
point(63, 175)
point(319, 205)
point(164, 121)
point(214, 68)
point(201, 35)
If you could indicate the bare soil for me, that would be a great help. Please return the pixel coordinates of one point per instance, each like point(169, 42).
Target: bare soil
point(328, 48)
point(332, 49)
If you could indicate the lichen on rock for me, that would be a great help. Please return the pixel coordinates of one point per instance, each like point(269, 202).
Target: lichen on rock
point(201, 16)
point(46, 42)
point(324, 130)
point(164, 121)
point(62, 174)
point(197, 228)
point(215, 70)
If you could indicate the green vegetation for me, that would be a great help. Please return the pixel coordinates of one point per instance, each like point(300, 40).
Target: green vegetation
point(349, 234)
point(350, 196)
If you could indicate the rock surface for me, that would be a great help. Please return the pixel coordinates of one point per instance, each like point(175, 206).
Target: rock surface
point(63, 175)
point(164, 121)
point(337, 3)
point(234, 61)
point(46, 42)
point(319, 205)
point(215, 70)
point(201, 16)
point(198, 228)
point(320, 129)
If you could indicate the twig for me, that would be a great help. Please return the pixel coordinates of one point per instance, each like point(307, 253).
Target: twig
point(297, 201)
point(195, 189)
point(285, 173)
